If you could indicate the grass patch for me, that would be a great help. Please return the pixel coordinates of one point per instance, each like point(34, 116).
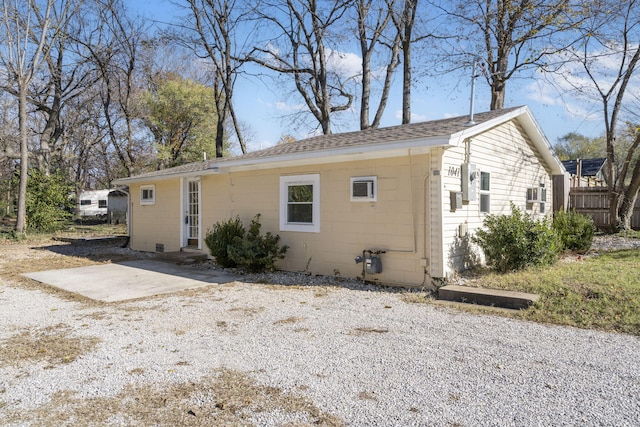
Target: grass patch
point(78, 228)
point(601, 292)
point(52, 344)
point(227, 399)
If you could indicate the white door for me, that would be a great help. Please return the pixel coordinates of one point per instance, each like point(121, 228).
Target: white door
point(192, 214)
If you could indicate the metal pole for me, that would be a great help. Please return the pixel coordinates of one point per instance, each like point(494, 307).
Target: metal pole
point(473, 93)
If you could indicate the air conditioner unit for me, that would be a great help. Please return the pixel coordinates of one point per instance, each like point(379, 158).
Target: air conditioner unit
point(534, 195)
point(537, 194)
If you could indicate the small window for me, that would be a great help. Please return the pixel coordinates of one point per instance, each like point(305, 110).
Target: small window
point(543, 198)
point(147, 195)
point(364, 189)
point(102, 204)
point(85, 202)
point(485, 195)
point(300, 203)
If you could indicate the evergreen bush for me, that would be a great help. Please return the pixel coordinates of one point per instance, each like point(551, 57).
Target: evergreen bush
point(221, 237)
point(254, 252)
point(517, 241)
point(233, 246)
point(48, 205)
point(575, 230)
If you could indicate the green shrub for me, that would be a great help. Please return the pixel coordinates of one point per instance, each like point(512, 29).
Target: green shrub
point(254, 252)
point(48, 204)
point(575, 230)
point(221, 237)
point(233, 246)
point(517, 241)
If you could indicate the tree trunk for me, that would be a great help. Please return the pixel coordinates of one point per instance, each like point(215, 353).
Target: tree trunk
point(24, 159)
point(366, 91)
point(406, 82)
point(497, 95)
point(630, 195)
point(220, 136)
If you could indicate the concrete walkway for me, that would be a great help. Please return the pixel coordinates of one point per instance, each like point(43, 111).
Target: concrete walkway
point(129, 280)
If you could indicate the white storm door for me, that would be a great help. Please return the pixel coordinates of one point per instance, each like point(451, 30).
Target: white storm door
point(192, 214)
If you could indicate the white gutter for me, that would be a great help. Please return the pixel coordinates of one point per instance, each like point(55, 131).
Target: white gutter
point(335, 155)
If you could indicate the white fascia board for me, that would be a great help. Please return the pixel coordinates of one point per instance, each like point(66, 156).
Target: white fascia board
point(307, 158)
point(132, 180)
point(478, 128)
point(531, 127)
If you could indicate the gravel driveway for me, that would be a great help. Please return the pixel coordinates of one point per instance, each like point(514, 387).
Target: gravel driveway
point(254, 354)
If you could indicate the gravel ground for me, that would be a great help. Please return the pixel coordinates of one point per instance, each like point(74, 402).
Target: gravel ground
point(359, 356)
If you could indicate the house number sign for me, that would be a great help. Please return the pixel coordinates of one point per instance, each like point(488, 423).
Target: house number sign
point(453, 171)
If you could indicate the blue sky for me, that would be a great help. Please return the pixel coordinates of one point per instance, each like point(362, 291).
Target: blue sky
point(263, 108)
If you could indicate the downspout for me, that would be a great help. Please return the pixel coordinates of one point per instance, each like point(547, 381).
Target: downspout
point(426, 181)
point(413, 219)
point(129, 216)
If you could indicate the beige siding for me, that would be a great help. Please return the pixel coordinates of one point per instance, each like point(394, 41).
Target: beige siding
point(158, 223)
point(514, 166)
point(394, 223)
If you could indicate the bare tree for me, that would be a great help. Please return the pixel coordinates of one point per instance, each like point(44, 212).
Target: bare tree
point(509, 36)
point(299, 31)
point(373, 20)
point(218, 28)
point(64, 78)
point(114, 42)
point(603, 68)
point(404, 22)
point(27, 39)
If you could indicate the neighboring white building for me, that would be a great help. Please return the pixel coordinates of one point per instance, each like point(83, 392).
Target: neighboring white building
point(93, 203)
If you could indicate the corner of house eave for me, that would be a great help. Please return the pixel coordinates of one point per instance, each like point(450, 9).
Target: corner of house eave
point(532, 127)
point(481, 127)
point(135, 180)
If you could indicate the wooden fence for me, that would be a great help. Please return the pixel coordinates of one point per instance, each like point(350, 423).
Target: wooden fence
point(594, 201)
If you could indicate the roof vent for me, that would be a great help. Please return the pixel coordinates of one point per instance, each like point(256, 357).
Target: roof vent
point(474, 75)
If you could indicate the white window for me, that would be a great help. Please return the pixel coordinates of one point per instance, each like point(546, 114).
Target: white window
point(485, 195)
point(147, 194)
point(364, 189)
point(300, 203)
point(543, 197)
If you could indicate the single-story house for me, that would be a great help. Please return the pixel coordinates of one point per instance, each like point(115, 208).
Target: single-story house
point(413, 192)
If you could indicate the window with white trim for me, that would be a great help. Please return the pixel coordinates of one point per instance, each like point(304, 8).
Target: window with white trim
point(147, 194)
point(300, 203)
point(485, 195)
point(364, 188)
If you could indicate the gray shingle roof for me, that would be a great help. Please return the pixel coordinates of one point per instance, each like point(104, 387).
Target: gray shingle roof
point(318, 144)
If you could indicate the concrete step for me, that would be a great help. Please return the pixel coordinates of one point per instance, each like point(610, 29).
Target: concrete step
point(489, 297)
point(190, 256)
point(121, 241)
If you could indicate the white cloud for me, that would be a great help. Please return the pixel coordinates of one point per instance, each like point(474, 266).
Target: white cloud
point(345, 64)
point(289, 108)
point(414, 117)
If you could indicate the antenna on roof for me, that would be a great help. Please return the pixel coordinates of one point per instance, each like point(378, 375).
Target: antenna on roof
point(474, 75)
